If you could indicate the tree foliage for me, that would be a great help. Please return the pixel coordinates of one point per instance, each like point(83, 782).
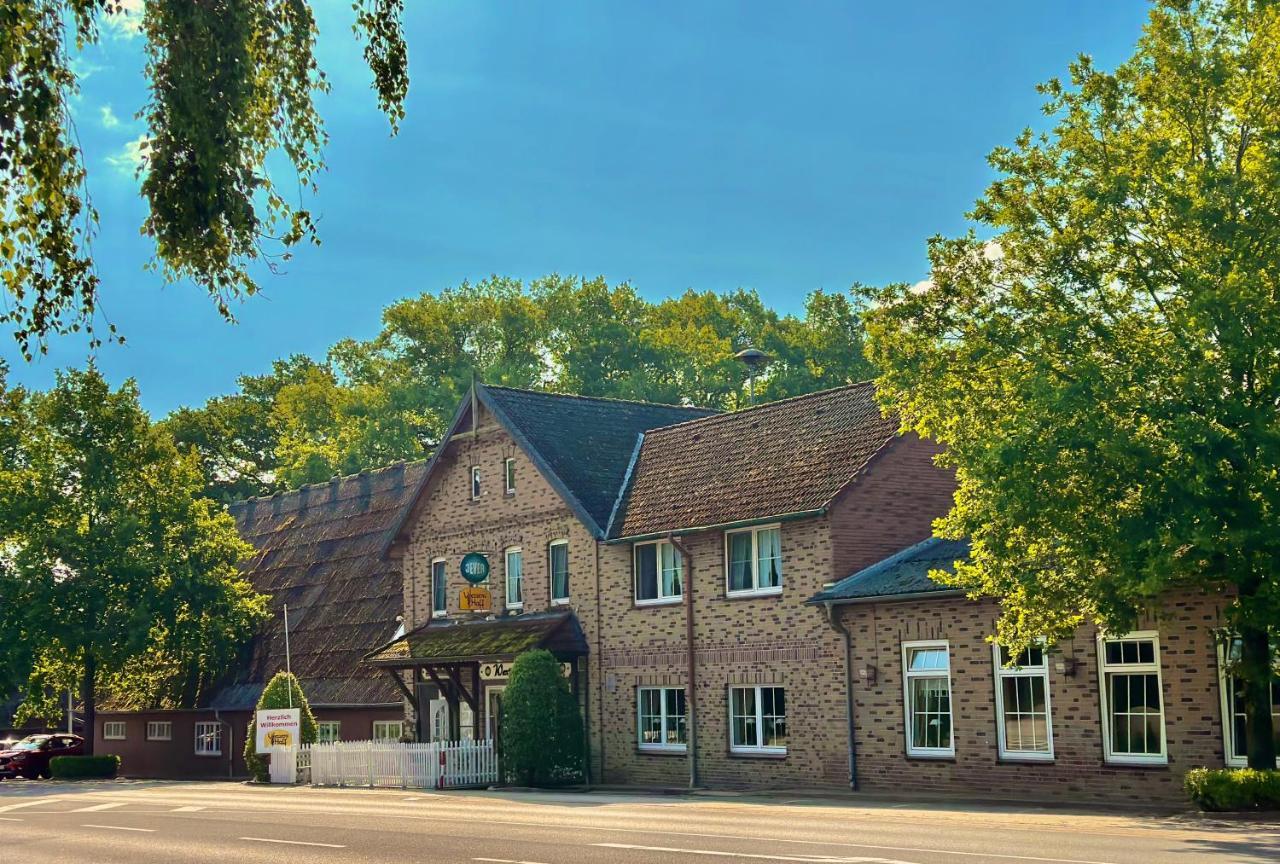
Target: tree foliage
point(232, 84)
point(541, 729)
point(282, 691)
point(117, 572)
point(391, 397)
point(1105, 373)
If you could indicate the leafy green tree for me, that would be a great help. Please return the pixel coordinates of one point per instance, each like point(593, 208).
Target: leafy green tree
point(282, 691)
point(1105, 373)
point(541, 725)
point(117, 563)
point(233, 85)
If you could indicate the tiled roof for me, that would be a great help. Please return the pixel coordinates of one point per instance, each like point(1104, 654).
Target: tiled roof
point(317, 549)
point(448, 640)
point(586, 443)
point(905, 572)
point(780, 458)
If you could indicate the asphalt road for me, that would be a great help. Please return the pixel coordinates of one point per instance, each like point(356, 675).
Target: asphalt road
point(143, 822)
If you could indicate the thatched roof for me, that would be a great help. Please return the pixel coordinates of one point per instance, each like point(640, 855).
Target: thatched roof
point(318, 550)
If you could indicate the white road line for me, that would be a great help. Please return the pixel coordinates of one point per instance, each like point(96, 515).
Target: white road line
point(806, 859)
point(9, 819)
point(191, 808)
point(910, 850)
point(121, 828)
point(294, 842)
point(44, 799)
point(96, 807)
point(506, 861)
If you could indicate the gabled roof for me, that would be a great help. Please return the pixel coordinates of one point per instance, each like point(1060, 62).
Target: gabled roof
point(318, 550)
point(903, 574)
point(449, 640)
point(778, 459)
point(583, 445)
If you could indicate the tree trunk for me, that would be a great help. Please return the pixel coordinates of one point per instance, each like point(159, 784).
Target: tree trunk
point(88, 706)
point(1256, 672)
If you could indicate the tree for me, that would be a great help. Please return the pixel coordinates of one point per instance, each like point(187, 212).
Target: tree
point(541, 725)
point(120, 568)
point(282, 691)
point(1105, 372)
point(232, 86)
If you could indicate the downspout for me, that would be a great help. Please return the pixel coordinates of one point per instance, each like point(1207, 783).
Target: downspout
point(600, 678)
point(231, 744)
point(834, 621)
point(691, 670)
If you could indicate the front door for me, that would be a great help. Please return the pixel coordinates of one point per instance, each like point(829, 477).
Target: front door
point(493, 711)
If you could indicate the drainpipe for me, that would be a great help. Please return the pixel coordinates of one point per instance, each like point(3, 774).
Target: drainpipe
point(834, 621)
point(231, 743)
point(691, 671)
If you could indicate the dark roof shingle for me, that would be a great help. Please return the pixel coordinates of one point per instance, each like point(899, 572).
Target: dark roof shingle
point(905, 572)
point(317, 549)
point(586, 442)
point(784, 457)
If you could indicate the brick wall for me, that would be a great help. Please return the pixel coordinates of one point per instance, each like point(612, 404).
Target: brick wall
point(1078, 771)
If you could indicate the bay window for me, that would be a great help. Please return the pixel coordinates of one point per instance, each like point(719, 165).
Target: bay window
point(927, 693)
point(658, 573)
point(1023, 723)
point(1132, 703)
point(753, 561)
point(758, 720)
point(661, 715)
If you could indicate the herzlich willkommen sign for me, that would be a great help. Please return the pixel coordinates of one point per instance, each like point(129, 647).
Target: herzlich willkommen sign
point(277, 727)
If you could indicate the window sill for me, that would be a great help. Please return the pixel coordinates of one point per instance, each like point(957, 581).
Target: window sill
point(658, 750)
point(932, 755)
point(662, 601)
point(209, 755)
point(758, 752)
point(560, 601)
point(440, 614)
point(1122, 762)
point(162, 740)
point(1025, 759)
point(753, 593)
point(518, 607)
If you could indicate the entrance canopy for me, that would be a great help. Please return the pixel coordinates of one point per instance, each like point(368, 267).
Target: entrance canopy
point(449, 653)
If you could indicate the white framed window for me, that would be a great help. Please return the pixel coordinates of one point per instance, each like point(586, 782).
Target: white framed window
point(515, 577)
point(509, 476)
point(558, 567)
point(439, 588)
point(1024, 719)
point(209, 739)
point(388, 730)
point(758, 720)
point(1133, 730)
point(1235, 743)
point(113, 730)
point(661, 715)
point(328, 731)
point(475, 482)
point(926, 693)
point(753, 561)
point(159, 730)
point(659, 573)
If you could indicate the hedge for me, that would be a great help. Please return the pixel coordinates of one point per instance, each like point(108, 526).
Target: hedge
point(79, 767)
point(1233, 788)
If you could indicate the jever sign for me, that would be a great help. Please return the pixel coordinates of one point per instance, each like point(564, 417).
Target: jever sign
point(475, 568)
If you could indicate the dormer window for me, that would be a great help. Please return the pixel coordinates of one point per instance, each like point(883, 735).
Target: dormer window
point(509, 476)
point(475, 482)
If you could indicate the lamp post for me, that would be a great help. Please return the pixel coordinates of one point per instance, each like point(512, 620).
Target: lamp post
point(754, 359)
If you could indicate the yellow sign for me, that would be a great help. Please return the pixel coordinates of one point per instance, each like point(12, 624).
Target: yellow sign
point(475, 600)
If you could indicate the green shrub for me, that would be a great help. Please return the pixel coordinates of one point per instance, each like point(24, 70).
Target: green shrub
point(1233, 788)
point(541, 732)
point(81, 767)
point(276, 695)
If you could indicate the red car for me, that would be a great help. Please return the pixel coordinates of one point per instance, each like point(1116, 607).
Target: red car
point(30, 757)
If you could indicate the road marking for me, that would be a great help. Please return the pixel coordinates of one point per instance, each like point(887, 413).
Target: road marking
point(9, 819)
point(96, 807)
point(121, 828)
point(33, 802)
point(910, 850)
point(506, 861)
point(294, 842)
point(806, 859)
point(187, 809)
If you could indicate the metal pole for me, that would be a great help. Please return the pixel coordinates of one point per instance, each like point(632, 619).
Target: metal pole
point(70, 714)
point(288, 665)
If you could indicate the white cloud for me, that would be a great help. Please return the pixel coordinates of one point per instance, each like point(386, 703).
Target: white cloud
point(130, 156)
point(125, 23)
point(109, 118)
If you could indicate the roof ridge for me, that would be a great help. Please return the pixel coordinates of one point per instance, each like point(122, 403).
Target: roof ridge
point(750, 408)
point(584, 397)
point(296, 492)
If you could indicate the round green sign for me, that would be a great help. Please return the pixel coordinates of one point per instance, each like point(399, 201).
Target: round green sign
point(475, 568)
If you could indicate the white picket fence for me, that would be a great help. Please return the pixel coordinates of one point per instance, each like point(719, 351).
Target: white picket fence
point(437, 765)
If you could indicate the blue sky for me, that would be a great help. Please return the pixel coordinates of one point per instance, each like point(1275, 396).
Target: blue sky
point(777, 146)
